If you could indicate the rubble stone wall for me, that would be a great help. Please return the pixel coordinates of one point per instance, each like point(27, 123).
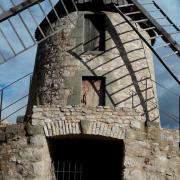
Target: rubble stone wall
point(24, 155)
point(151, 153)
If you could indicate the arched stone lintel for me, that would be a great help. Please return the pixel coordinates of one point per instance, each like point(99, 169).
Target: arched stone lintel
point(84, 127)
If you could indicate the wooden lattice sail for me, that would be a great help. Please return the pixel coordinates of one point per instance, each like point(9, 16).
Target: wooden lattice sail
point(136, 9)
point(17, 38)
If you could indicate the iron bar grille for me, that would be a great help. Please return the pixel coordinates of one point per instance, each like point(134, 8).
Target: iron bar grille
point(68, 170)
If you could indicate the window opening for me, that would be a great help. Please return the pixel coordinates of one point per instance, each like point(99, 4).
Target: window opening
point(93, 91)
point(94, 32)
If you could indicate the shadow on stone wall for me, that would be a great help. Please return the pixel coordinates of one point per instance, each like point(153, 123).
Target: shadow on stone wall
point(53, 57)
point(138, 93)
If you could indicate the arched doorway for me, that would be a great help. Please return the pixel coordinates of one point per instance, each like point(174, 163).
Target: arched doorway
point(87, 158)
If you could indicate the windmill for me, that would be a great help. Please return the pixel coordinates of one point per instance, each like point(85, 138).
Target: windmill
point(92, 111)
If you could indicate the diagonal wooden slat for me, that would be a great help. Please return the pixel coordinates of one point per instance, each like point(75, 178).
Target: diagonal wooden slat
point(160, 30)
point(35, 18)
point(17, 9)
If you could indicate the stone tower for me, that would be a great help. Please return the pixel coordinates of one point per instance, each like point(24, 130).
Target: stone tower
point(92, 112)
point(94, 45)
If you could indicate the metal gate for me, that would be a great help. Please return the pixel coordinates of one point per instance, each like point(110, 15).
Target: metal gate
point(68, 170)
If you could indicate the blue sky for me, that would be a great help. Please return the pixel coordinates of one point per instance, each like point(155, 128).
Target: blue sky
point(24, 63)
point(169, 102)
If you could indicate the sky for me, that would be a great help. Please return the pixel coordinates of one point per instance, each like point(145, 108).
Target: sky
point(24, 63)
point(167, 101)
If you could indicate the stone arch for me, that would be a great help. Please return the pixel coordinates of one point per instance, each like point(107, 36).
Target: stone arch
point(84, 127)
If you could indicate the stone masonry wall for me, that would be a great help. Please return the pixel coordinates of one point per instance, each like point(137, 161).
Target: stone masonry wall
point(24, 153)
point(61, 62)
point(151, 153)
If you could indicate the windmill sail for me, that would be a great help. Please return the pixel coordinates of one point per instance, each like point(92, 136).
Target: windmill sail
point(143, 14)
point(30, 13)
point(21, 21)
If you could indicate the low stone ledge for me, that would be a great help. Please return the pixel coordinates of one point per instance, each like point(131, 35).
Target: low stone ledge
point(15, 130)
point(12, 131)
point(104, 121)
point(156, 134)
point(39, 110)
point(125, 116)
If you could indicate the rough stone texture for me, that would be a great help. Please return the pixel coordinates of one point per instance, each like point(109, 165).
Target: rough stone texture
point(61, 62)
point(150, 152)
point(103, 121)
point(23, 156)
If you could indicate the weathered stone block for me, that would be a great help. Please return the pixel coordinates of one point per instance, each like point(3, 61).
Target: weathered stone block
point(135, 173)
point(137, 124)
point(86, 126)
point(34, 130)
point(135, 134)
point(38, 140)
point(14, 131)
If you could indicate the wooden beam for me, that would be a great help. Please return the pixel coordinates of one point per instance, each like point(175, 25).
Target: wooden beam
point(159, 29)
point(17, 9)
point(146, 42)
point(164, 14)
